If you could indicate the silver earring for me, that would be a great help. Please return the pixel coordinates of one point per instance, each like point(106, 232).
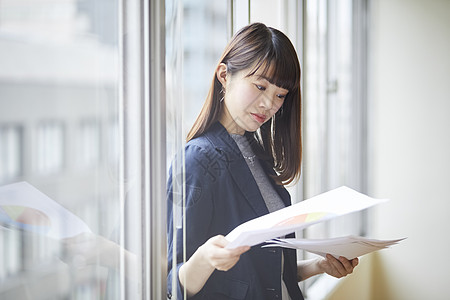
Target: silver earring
point(222, 91)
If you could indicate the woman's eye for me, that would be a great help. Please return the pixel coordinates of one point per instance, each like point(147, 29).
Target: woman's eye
point(281, 96)
point(260, 87)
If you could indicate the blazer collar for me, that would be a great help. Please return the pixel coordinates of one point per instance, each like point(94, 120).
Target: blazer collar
point(223, 143)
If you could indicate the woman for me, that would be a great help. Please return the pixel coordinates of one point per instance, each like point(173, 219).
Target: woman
point(243, 147)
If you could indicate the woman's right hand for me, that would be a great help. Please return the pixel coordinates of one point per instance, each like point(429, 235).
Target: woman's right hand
point(219, 257)
point(210, 256)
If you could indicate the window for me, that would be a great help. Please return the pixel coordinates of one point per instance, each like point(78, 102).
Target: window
point(49, 155)
point(334, 104)
point(334, 108)
point(10, 152)
point(193, 48)
point(96, 97)
point(71, 127)
point(89, 143)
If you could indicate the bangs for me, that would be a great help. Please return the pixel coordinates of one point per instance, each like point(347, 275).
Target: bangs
point(278, 70)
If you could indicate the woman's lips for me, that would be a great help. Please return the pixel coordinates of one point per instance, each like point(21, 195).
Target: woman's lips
point(259, 118)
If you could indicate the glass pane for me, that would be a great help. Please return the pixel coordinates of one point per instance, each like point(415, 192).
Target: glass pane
point(332, 141)
point(63, 218)
point(332, 112)
point(315, 97)
point(344, 160)
point(196, 34)
point(10, 151)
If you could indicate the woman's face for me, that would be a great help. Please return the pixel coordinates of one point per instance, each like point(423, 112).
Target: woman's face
point(249, 101)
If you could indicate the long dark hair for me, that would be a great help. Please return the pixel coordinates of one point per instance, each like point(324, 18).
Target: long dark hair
point(258, 47)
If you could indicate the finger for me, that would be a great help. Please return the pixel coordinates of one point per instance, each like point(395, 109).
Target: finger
point(336, 264)
point(240, 250)
point(219, 240)
point(332, 270)
point(225, 264)
point(231, 256)
point(226, 254)
point(355, 262)
point(347, 264)
point(222, 254)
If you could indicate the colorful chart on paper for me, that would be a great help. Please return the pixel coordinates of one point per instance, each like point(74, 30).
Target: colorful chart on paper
point(304, 218)
point(24, 217)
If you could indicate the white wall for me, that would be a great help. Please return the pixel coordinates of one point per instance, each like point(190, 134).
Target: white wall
point(410, 151)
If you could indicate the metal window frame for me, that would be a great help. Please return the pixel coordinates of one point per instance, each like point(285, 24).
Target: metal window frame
point(143, 122)
point(361, 38)
point(154, 154)
point(239, 15)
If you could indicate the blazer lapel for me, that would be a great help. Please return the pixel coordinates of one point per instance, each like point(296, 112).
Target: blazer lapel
point(243, 178)
point(241, 174)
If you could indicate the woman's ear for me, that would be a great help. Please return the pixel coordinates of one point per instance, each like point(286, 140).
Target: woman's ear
point(221, 73)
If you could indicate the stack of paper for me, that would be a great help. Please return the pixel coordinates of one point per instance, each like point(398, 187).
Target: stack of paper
point(348, 246)
point(320, 208)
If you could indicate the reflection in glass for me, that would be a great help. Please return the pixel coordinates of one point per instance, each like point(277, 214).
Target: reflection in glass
point(89, 143)
point(192, 50)
point(49, 147)
point(59, 131)
point(10, 152)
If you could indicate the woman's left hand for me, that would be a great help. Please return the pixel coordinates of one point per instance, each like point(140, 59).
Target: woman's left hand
point(337, 267)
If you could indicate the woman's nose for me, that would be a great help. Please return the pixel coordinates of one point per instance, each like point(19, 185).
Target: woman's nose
point(266, 101)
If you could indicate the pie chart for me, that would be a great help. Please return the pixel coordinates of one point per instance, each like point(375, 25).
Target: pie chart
point(14, 216)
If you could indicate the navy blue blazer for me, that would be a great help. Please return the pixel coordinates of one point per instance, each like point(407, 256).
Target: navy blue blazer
point(221, 194)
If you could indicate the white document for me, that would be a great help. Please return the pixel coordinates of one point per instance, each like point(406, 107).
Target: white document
point(348, 247)
point(24, 207)
point(317, 209)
